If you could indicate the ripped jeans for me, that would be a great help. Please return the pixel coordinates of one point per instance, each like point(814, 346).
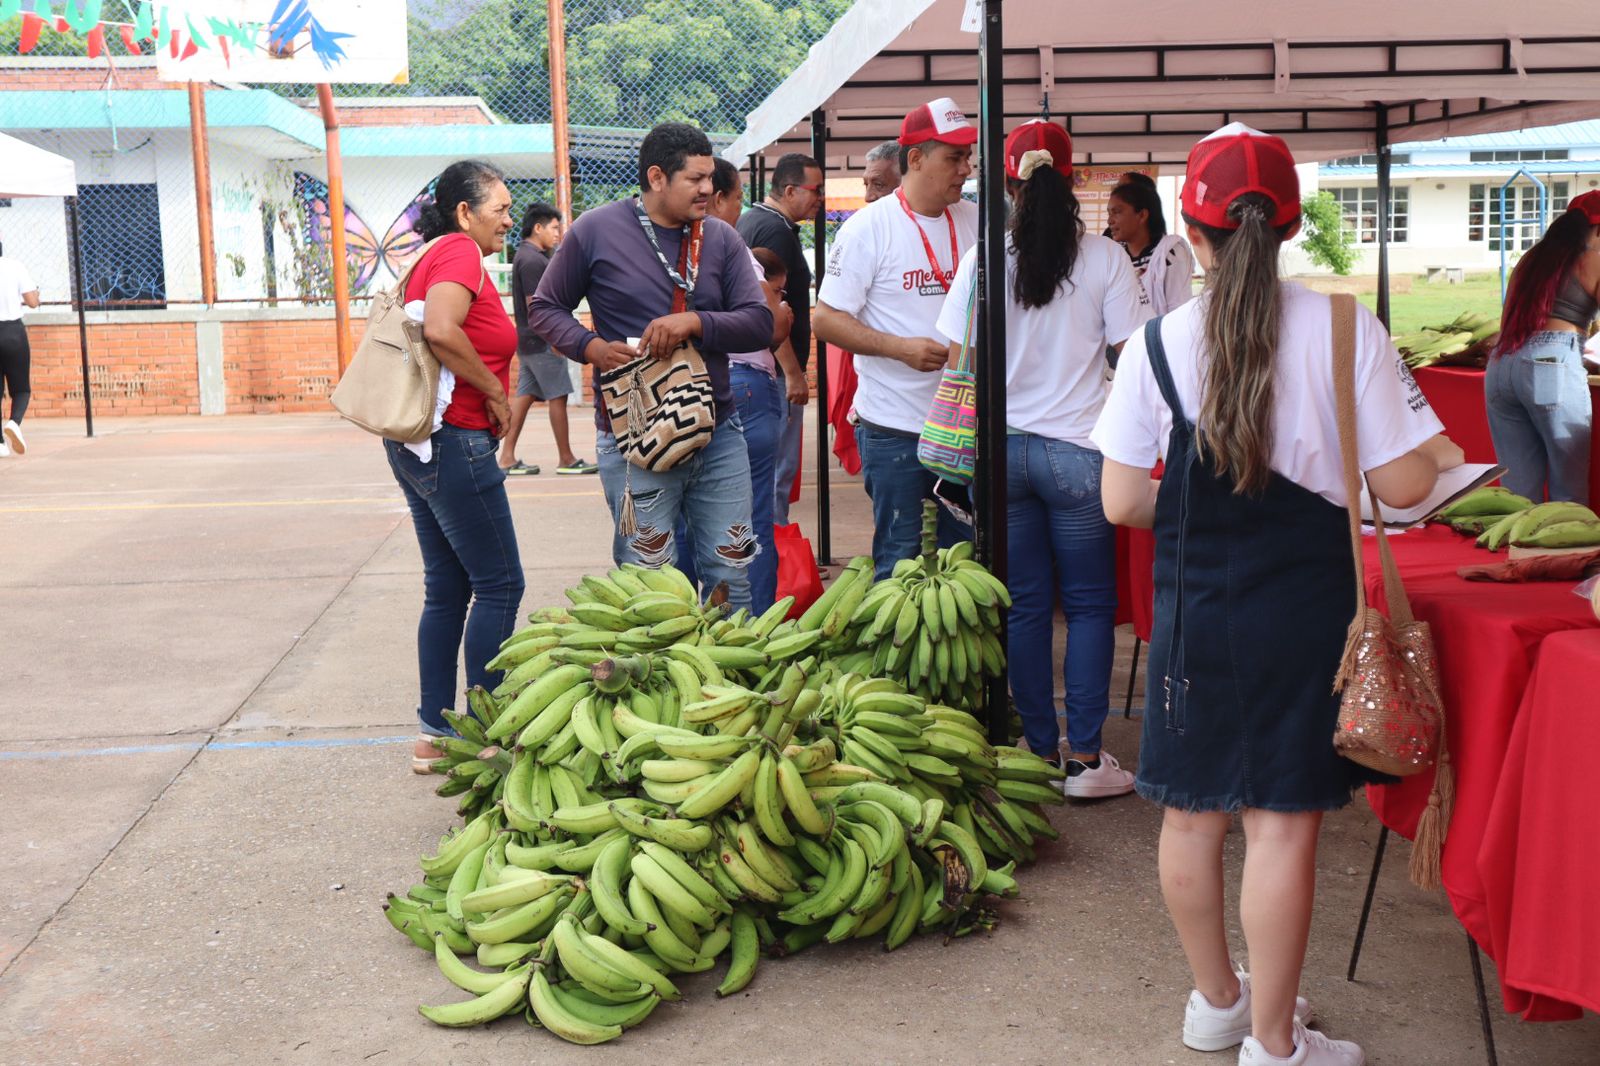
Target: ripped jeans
point(711, 490)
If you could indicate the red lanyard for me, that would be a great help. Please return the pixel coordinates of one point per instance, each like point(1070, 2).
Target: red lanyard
point(933, 260)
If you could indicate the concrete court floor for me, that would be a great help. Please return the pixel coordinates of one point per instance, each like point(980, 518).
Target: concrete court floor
point(208, 687)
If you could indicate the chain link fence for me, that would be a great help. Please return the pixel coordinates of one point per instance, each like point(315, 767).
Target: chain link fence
point(479, 87)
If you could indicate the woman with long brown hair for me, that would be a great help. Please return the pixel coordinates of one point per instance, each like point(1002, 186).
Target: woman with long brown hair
point(1536, 390)
point(1254, 581)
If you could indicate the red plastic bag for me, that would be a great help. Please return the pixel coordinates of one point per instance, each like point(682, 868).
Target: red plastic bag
point(797, 568)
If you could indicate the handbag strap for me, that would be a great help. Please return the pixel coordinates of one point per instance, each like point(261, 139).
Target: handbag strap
point(1344, 390)
point(964, 360)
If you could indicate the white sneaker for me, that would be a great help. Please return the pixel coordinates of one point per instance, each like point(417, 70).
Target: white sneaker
point(13, 437)
point(1311, 1048)
point(1097, 782)
point(1208, 1028)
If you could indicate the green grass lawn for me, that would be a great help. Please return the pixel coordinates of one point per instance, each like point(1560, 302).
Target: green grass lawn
point(1414, 303)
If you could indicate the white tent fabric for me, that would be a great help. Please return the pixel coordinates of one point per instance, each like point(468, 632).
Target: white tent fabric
point(1144, 84)
point(29, 171)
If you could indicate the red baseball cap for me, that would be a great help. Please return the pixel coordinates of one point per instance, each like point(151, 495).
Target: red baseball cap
point(1589, 204)
point(938, 120)
point(1037, 135)
point(1236, 160)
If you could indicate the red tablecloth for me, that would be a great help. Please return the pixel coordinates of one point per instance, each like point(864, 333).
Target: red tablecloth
point(1487, 637)
point(1456, 394)
point(1136, 559)
point(1539, 863)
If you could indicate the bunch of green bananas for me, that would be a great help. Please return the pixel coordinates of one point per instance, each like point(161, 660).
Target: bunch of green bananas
point(1548, 525)
point(932, 625)
point(1482, 508)
point(639, 815)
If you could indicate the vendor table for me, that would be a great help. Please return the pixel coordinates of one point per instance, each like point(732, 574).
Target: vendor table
point(1515, 819)
point(1456, 394)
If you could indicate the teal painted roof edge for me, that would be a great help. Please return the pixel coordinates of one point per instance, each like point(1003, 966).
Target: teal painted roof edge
point(30, 110)
point(462, 140)
point(86, 109)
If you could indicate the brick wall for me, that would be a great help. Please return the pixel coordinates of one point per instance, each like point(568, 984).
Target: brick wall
point(147, 363)
point(42, 76)
point(401, 115)
point(134, 369)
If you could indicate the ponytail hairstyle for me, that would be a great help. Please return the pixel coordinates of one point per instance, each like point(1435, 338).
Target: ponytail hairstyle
point(1047, 231)
point(1539, 276)
point(1243, 310)
point(468, 182)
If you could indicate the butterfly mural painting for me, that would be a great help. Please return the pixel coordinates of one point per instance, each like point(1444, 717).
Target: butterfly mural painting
point(364, 251)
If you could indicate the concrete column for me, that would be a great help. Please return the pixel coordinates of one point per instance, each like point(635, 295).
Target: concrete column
point(208, 370)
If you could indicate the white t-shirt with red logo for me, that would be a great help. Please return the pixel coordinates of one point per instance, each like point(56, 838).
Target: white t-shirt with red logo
point(878, 272)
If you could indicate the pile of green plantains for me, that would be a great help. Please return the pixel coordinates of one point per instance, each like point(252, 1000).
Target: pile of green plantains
point(658, 784)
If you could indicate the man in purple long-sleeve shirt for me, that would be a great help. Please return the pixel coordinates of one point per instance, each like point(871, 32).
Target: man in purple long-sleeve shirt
point(608, 258)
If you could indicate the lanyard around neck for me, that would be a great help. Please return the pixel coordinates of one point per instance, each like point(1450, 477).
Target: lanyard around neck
point(687, 272)
point(943, 278)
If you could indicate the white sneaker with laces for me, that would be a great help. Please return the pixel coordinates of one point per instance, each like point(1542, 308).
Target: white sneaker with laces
point(1311, 1048)
point(13, 437)
point(1208, 1028)
point(1097, 782)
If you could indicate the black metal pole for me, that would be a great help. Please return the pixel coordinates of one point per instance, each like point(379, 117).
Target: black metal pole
point(989, 475)
point(761, 177)
point(78, 300)
point(819, 357)
point(1382, 129)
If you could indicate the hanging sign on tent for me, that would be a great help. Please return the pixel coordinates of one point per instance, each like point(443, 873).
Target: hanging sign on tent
point(1093, 185)
point(280, 41)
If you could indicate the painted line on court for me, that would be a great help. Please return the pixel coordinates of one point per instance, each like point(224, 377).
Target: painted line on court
point(222, 745)
point(397, 501)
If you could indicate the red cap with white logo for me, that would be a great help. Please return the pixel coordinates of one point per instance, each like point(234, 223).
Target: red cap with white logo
point(1589, 204)
point(1236, 160)
point(1039, 136)
point(940, 120)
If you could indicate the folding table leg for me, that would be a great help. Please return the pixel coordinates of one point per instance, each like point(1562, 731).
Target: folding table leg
point(1483, 1001)
point(1366, 905)
point(1133, 672)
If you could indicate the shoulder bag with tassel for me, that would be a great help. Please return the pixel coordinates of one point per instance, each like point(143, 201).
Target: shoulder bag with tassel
point(1391, 718)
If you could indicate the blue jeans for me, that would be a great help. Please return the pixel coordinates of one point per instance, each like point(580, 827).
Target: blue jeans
point(469, 559)
point(1540, 417)
point(793, 419)
point(760, 402)
point(897, 484)
point(1059, 544)
point(710, 491)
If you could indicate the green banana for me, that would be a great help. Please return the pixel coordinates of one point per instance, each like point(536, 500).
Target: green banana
point(503, 999)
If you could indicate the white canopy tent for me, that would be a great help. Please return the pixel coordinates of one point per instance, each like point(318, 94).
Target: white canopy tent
point(29, 171)
point(1141, 84)
point(26, 170)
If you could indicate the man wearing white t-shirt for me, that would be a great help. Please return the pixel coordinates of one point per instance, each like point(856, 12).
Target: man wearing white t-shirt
point(889, 270)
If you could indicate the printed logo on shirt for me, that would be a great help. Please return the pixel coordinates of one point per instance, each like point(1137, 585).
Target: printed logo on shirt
point(835, 267)
point(1415, 399)
point(926, 282)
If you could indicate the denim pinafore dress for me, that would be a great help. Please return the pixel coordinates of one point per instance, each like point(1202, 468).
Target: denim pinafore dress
point(1253, 596)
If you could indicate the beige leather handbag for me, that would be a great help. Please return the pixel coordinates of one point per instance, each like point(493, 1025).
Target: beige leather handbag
point(392, 384)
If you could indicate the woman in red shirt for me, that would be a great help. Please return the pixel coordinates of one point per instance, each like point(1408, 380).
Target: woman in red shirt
point(452, 483)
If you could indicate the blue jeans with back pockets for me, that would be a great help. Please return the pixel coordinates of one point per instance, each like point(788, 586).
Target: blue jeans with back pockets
point(1540, 416)
point(1059, 548)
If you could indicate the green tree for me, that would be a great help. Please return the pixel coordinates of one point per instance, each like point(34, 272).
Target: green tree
point(1328, 241)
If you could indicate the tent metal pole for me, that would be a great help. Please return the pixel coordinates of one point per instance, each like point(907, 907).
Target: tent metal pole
point(78, 300)
point(200, 148)
point(989, 475)
point(1382, 129)
point(819, 357)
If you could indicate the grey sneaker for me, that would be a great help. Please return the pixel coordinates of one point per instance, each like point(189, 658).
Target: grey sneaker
point(1208, 1028)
